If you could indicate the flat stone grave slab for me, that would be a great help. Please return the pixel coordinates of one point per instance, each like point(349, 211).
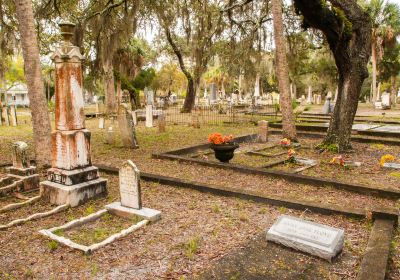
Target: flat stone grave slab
point(363, 127)
point(388, 128)
point(319, 240)
point(392, 165)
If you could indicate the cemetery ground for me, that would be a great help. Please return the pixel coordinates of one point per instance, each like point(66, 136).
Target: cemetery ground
point(200, 234)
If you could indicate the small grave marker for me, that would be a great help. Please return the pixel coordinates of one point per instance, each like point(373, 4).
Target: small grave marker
point(129, 185)
point(131, 202)
point(319, 240)
point(149, 116)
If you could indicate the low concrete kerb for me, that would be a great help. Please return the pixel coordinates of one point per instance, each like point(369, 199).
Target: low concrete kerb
point(327, 209)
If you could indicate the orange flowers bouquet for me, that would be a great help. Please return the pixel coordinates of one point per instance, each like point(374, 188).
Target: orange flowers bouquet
point(291, 156)
point(217, 139)
point(338, 160)
point(285, 142)
point(386, 158)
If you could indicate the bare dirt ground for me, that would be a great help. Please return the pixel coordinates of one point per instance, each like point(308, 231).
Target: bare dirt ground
point(196, 229)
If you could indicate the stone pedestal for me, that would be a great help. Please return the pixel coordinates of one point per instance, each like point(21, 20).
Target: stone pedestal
point(72, 179)
point(73, 195)
point(263, 131)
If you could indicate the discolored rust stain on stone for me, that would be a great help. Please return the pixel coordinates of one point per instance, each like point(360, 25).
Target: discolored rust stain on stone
point(69, 97)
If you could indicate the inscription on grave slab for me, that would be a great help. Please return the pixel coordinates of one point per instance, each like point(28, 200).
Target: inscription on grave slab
point(316, 239)
point(391, 165)
point(129, 185)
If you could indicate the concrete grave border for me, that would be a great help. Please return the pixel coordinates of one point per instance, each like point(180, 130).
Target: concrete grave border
point(35, 216)
point(85, 220)
point(326, 209)
point(178, 155)
point(385, 219)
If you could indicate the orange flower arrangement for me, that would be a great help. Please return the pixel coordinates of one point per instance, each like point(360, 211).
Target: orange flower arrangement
point(338, 159)
point(285, 142)
point(386, 158)
point(291, 156)
point(217, 139)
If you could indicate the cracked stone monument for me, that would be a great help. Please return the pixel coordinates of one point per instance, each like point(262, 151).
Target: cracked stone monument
point(21, 168)
point(72, 179)
point(131, 197)
point(319, 240)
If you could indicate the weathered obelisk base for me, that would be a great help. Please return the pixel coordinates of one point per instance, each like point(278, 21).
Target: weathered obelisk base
point(72, 179)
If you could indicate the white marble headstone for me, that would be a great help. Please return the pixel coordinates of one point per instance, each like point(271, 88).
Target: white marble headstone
point(129, 185)
point(149, 116)
point(316, 239)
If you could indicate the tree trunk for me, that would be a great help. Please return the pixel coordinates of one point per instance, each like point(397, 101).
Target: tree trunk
point(190, 96)
point(282, 70)
point(393, 90)
point(190, 92)
point(373, 60)
point(109, 88)
point(347, 28)
point(33, 75)
point(119, 94)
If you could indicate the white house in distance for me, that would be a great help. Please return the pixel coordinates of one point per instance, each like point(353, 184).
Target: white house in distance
point(17, 95)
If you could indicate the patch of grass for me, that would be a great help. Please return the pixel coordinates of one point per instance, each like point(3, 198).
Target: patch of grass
point(236, 276)
point(192, 205)
point(395, 174)
point(89, 210)
point(282, 210)
point(59, 232)
point(191, 247)
point(378, 146)
point(94, 269)
point(52, 245)
point(216, 209)
point(243, 217)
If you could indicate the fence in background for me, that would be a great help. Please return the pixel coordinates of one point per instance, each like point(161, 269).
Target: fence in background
point(218, 114)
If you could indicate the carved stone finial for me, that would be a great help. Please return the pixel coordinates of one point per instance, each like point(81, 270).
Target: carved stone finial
point(67, 31)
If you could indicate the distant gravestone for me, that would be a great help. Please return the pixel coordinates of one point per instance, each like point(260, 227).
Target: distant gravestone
point(161, 123)
point(316, 239)
point(129, 185)
point(13, 113)
point(149, 116)
point(127, 128)
point(263, 131)
point(101, 122)
point(110, 138)
point(195, 120)
point(213, 90)
point(20, 155)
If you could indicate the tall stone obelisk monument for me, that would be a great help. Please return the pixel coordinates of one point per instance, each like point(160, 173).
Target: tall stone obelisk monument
point(72, 178)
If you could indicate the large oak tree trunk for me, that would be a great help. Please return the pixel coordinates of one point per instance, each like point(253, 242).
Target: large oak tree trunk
point(191, 91)
point(282, 70)
point(33, 75)
point(347, 28)
point(109, 88)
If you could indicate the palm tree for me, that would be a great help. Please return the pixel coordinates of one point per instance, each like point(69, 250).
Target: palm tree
point(33, 75)
point(282, 71)
point(385, 24)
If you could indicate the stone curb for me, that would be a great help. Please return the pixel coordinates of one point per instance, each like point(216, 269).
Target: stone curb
point(326, 209)
point(299, 178)
point(374, 262)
